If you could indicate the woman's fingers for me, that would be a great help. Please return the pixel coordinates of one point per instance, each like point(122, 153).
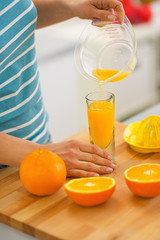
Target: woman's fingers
point(95, 159)
point(104, 10)
point(93, 149)
point(92, 167)
point(118, 7)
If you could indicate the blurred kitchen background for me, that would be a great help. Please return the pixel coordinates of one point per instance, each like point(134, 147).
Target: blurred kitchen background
point(64, 89)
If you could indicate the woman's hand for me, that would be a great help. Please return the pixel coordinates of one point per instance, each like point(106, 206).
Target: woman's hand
point(99, 9)
point(81, 159)
point(55, 11)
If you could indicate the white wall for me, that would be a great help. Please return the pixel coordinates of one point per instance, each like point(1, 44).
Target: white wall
point(58, 82)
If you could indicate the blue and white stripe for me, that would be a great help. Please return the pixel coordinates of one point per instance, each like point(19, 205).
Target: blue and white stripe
point(22, 113)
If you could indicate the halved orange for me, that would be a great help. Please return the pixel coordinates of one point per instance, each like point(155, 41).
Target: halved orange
point(144, 179)
point(90, 191)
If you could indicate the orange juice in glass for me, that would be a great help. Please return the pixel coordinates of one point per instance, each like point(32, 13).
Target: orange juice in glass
point(100, 111)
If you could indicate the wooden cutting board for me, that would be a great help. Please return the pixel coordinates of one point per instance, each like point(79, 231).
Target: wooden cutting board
point(123, 217)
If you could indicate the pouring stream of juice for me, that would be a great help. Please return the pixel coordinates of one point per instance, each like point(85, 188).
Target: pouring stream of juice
point(101, 113)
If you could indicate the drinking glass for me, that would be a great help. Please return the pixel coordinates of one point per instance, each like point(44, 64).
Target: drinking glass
point(100, 111)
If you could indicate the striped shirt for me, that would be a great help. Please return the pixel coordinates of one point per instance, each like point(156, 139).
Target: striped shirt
point(22, 112)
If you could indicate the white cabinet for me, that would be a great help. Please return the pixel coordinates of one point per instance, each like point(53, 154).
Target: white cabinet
point(58, 85)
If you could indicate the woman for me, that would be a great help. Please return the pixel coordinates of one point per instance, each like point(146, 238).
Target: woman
point(23, 119)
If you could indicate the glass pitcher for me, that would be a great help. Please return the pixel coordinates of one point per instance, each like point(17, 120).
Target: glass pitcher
point(107, 53)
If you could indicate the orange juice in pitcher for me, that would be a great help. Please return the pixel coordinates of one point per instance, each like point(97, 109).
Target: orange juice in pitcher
point(114, 75)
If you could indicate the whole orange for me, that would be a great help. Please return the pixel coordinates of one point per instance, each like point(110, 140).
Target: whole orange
point(42, 172)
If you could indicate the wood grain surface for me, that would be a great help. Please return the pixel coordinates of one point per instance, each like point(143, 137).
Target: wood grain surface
point(123, 217)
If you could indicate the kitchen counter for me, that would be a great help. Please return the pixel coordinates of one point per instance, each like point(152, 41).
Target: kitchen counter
point(123, 216)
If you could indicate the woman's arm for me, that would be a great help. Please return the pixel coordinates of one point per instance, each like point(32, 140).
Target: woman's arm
point(55, 11)
point(13, 149)
point(81, 159)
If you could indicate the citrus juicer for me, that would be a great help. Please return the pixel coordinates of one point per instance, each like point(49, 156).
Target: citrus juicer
point(144, 136)
point(107, 47)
